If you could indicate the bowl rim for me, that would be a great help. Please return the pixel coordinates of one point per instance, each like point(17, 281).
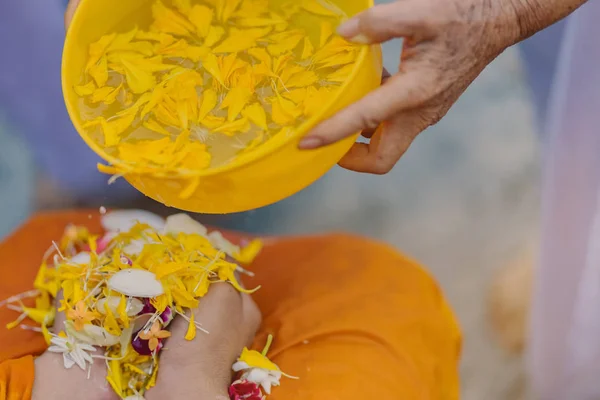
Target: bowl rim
point(241, 161)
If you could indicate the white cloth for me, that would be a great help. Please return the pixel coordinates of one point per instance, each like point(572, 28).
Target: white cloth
point(565, 341)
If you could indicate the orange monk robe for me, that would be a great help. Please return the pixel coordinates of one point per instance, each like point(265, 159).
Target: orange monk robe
point(352, 318)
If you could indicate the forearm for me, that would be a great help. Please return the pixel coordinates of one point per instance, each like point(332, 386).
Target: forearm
point(534, 15)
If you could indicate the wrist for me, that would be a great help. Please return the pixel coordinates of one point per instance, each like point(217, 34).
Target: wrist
point(191, 382)
point(161, 393)
point(531, 16)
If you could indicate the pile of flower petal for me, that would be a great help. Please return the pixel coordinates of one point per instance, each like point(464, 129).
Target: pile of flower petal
point(257, 374)
point(120, 291)
point(206, 81)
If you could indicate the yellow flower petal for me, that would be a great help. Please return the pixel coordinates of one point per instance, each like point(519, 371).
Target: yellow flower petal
point(122, 311)
point(201, 17)
point(249, 252)
point(106, 94)
point(302, 78)
point(308, 49)
point(183, 6)
point(99, 72)
point(327, 30)
point(226, 8)
point(211, 65)
point(85, 90)
point(215, 34)
point(154, 126)
point(183, 298)
point(190, 188)
point(107, 169)
point(322, 8)
point(235, 101)
point(110, 322)
point(196, 158)
point(341, 75)
point(46, 334)
point(123, 39)
point(338, 60)
point(138, 79)
point(227, 273)
point(240, 40)
point(191, 331)
point(160, 303)
point(209, 102)
point(285, 41)
point(256, 114)
point(212, 122)
point(170, 21)
point(239, 126)
point(114, 128)
point(284, 112)
point(97, 50)
point(40, 316)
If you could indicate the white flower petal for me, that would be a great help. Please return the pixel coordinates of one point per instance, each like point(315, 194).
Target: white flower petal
point(183, 223)
point(59, 341)
point(124, 220)
point(125, 338)
point(266, 384)
point(216, 239)
point(68, 361)
point(275, 374)
point(78, 358)
point(82, 258)
point(134, 306)
point(86, 347)
point(134, 248)
point(57, 349)
point(239, 366)
point(257, 375)
point(136, 283)
point(91, 335)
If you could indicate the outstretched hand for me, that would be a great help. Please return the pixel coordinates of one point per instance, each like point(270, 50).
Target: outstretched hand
point(447, 45)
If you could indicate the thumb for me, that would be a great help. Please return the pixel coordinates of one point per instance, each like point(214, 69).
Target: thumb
point(71, 7)
point(384, 22)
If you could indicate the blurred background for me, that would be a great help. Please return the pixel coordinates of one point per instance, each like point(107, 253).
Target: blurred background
point(463, 201)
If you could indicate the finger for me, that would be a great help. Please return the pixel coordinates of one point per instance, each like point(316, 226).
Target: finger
point(385, 75)
point(387, 146)
point(210, 355)
point(71, 7)
point(387, 21)
point(403, 91)
point(60, 318)
point(222, 309)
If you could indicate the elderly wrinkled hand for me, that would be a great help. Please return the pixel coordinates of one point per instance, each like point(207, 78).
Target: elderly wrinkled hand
point(201, 367)
point(447, 43)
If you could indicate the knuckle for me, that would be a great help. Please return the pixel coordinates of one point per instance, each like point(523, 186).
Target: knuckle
point(368, 121)
point(432, 116)
point(382, 165)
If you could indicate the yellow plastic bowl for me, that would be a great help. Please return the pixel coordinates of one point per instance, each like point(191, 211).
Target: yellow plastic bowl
point(272, 172)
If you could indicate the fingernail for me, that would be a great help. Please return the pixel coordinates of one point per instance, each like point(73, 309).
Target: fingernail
point(350, 28)
point(311, 142)
point(360, 39)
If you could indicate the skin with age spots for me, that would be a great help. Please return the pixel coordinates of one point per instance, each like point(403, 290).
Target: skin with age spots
point(447, 45)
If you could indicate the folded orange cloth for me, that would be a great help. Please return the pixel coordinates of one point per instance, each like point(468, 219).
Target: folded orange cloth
point(352, 318)
point(16, 379)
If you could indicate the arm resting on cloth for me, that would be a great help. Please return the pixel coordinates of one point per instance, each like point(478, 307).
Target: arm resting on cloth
point(351, 318)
